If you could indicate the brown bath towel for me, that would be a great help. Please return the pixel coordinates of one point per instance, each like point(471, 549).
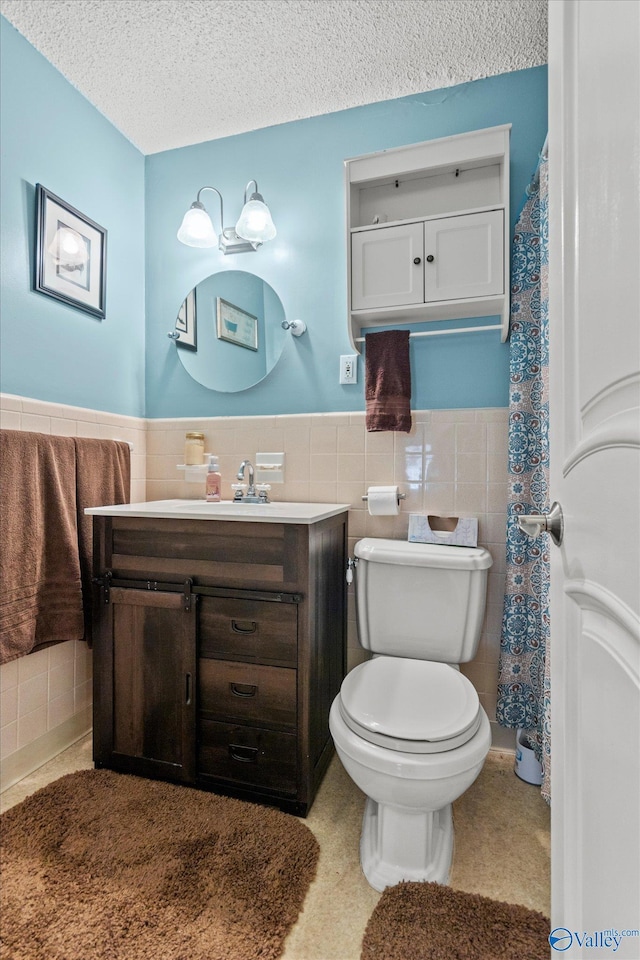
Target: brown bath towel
point(40, 592)
point(103, 478)
point(388, 381)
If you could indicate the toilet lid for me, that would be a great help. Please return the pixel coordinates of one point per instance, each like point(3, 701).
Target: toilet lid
point(416, 706)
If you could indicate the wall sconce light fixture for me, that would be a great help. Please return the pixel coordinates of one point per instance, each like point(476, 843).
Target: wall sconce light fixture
point(253, 228)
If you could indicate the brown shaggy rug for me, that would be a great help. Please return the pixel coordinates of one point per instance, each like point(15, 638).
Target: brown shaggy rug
point(105, 865)
point(427, 921)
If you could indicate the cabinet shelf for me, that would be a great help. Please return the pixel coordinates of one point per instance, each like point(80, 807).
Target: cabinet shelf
point(434, 216)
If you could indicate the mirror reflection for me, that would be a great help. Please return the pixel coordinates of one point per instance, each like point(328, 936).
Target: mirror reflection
point(230, 331)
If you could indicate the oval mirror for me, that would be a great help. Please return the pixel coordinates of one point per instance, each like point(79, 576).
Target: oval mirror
point(229, 329)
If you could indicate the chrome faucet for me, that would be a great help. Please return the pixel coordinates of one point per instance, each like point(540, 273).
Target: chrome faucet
point(251, 491)
point(251, 496)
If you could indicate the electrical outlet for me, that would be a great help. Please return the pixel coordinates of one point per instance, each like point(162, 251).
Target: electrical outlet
point(349, 368)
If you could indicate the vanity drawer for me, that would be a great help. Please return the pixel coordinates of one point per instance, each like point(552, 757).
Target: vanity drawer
point(248, 692)
point(221, 553)
point(238, 629)
point(247, 755)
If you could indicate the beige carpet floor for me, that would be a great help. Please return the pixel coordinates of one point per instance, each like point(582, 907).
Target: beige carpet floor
point(503, 839)
point(502, 850)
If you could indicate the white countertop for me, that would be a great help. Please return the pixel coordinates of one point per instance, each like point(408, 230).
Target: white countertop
point(275, 512)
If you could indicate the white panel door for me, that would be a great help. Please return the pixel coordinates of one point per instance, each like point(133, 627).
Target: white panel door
point(464, 256)
point(386, 267)
point(594, 56)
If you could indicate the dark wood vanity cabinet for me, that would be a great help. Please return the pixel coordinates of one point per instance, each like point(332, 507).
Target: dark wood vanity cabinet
point(144, 683)
point(218, 649)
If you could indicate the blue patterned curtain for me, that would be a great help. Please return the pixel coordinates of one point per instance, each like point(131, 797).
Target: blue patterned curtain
point(524, 680)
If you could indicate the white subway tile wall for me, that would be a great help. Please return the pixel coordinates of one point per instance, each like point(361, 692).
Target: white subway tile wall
point(453, 461)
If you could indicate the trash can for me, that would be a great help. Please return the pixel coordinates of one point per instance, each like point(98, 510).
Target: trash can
point(527, 767)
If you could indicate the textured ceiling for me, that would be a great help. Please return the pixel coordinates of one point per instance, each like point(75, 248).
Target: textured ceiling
point(169, 73)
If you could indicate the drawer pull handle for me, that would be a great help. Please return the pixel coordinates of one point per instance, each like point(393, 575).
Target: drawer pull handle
point(243, 689)
point(188, 690)
point(244, 626)
point(243, 754)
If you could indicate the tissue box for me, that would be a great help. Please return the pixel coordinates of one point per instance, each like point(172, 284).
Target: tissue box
point(453, 531)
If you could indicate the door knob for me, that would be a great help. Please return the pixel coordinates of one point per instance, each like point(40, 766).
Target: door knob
point(416, 260)
point(430, 258)
point(533, 524)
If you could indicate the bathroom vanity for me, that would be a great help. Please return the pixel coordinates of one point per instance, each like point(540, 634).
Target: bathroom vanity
point(219, 644)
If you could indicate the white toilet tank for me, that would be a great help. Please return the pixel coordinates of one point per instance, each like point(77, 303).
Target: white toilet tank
point(423, 601)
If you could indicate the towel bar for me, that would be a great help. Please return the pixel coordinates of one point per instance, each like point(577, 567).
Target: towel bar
point(442, 333)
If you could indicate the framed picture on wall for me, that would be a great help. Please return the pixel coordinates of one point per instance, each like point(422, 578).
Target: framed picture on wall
point(71, 255)
point(186, 323)
point(236, 325)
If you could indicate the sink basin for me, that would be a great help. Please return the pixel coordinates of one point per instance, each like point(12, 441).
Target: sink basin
point(278, 511)
point(276, 508)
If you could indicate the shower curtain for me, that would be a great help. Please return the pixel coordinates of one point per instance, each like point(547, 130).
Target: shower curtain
point(524, 678)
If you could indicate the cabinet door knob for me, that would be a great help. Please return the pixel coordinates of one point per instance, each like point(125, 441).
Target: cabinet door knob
point(430, 258)
point(416, 260)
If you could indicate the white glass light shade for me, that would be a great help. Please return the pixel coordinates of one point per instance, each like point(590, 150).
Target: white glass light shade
point(255, 223)
point(68, 247)
point(196, 229)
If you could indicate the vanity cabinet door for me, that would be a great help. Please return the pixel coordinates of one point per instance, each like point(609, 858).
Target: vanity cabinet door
point(386, 267)
point(145, 684)
point(448, 258)
point(464, 256)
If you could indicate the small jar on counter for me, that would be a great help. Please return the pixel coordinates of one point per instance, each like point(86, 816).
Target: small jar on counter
point(194, 448)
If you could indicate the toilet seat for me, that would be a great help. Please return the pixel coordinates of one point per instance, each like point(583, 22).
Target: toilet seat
point(413, 706)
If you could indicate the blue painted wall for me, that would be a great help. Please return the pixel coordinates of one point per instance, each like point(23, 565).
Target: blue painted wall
point(52, 135)
point(299, 167)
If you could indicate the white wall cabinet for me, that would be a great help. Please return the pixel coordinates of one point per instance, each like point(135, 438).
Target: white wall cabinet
point(449, 258)
point(427, 232)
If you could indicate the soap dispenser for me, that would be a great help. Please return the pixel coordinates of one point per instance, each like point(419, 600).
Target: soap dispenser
point(214, 480)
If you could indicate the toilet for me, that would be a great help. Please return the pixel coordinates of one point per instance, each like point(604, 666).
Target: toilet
point(407, 725)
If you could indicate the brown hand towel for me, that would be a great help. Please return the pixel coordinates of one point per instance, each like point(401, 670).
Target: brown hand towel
point(40, 593)
point(103, 478)
point(388, 381)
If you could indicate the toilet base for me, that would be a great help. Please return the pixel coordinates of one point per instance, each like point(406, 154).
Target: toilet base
point(399, 844)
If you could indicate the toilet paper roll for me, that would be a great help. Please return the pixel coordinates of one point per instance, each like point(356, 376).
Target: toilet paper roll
point(383, 501)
